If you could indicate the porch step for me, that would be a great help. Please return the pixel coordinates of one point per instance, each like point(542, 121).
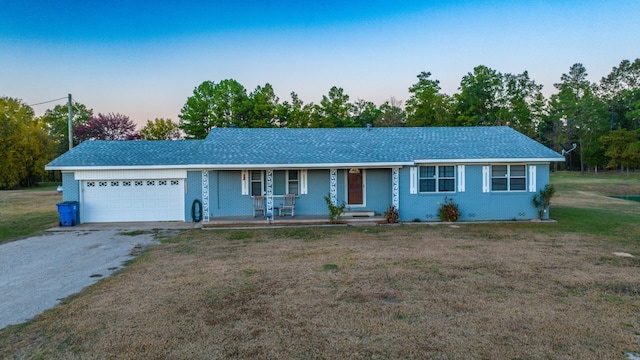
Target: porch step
point(359, 213)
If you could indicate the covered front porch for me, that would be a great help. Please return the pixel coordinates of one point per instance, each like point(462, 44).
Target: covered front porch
point(233, 195)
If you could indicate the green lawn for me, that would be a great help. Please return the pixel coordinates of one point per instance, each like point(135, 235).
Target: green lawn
point(27, 212)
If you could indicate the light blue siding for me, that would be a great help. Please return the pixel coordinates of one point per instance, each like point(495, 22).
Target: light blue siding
point(225, 191)
point(473, 203)
point(71, 191)
point(378, 190)
point(226, 199)
point(70, 187)
point(193, 191)
point(318, 187)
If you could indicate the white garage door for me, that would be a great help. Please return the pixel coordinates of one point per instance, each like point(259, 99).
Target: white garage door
point(132, 200)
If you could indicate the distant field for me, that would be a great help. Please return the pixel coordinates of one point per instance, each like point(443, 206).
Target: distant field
point(453, 291)
point(25, 212)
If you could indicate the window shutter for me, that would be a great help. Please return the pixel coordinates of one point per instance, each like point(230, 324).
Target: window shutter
point(461, 178)
point(485, 178)
point(245, 182)
point(413, 180)
point(303, 182)
point(532, 178)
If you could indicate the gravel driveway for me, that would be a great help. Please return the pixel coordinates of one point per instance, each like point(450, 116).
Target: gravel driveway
point(36, 273)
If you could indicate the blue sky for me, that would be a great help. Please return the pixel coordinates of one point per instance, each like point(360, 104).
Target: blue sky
point(143, 59)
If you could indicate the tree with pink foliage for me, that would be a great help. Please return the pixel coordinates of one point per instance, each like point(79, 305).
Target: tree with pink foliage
point(106, 127)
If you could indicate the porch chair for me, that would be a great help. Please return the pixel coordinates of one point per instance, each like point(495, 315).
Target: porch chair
point(258, 205)
point(288, 204)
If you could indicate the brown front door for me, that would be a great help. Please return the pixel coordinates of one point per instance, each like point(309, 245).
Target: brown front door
point(355, 189)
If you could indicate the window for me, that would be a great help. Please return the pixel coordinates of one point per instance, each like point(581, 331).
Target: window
point(284, 182)
point(508, 177)
point(256, 183)
point(436, 179)
point(293, 182)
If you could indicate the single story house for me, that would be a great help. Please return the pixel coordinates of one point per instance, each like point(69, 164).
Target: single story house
point(492, 173)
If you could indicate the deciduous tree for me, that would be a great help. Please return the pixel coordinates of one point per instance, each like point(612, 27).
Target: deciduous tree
point(623, 148)
point(106, 127)
point(25, 146)
point(160, 129)
point(57, 122)
point(479, 101)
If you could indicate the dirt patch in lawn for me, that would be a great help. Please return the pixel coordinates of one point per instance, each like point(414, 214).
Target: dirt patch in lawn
point(476, 291)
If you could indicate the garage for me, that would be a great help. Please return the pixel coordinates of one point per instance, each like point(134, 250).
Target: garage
point(128, 200)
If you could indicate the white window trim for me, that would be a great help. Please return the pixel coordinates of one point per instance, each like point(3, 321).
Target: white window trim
point(287, 181)
point(437, 178)
point(508, 177)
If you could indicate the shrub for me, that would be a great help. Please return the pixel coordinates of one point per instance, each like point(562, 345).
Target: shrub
point(335, 211)
point(448, 210)
point(542, 200)
point(391, 215)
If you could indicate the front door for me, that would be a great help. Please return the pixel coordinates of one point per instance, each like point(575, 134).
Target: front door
point(355, 188)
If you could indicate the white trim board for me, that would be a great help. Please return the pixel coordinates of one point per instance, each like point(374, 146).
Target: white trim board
point(130, 174)
point(489, 161)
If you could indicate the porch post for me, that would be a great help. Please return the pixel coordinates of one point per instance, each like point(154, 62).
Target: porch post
point(270, 192)
point(205, 195)
point(395, 187)
point(333, 185)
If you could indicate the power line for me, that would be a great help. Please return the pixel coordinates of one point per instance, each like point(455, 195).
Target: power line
point(46, 102)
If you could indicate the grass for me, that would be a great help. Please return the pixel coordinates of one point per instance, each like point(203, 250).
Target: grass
point(485, 291)
point(26, 212)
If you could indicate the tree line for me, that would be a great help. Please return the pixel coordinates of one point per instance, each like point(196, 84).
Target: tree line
point(29, 142)
point(602, 119)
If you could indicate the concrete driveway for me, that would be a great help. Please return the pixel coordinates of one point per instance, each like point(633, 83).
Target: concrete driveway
point(37, 272)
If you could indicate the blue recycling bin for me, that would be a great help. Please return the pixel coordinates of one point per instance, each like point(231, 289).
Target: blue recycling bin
point(68, 211)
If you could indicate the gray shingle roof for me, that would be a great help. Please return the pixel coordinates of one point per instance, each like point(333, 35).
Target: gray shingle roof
point(235, 147)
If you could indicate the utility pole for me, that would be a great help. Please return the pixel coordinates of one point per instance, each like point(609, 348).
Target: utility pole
point(70, 123)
